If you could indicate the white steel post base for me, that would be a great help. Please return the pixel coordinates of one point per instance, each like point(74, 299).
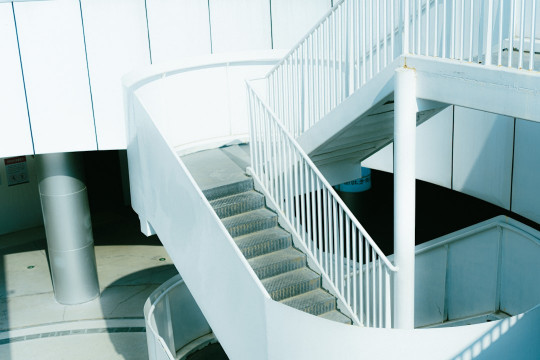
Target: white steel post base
point(405, 108)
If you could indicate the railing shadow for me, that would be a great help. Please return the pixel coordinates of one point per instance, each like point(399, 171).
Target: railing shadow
point(512, 338)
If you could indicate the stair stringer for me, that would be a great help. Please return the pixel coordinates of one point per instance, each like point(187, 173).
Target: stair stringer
point(327, 284)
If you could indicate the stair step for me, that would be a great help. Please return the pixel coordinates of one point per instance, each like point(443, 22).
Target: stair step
point(229, 189)
point(250, 221)
point(314, 302)
point(263, 242)
point(337, 316)
point(237, 203)
point(292, 283)
point(277, 262)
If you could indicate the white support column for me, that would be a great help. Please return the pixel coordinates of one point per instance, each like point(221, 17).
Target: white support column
point(405, 108)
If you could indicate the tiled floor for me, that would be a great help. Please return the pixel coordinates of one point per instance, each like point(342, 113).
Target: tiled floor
point(34, 326)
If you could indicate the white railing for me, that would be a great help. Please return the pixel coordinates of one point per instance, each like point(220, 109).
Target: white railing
point(357, 39)
point(333, 237)
point(491, 32)
point(348, 47)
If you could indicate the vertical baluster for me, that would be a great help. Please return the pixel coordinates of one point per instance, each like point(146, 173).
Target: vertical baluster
point(453, 30)
point(313, 81)
point(361, 288)
point(511, 32)
point(282, 196)
point(328, 50)
point(499, 50)
point(356, 44)
point(392, 28)
point(461, 44)
point(388, 299)
point(367, 286)
point(374, 286)
point(413, 32)
point(364, 69)
point(521, 35)
point(314, 232)
point(297, 191)
point(380, 284)
point(533, 35)
point(385, 29)
point(290, 169)
point(444, 35)
point(317, 77)
point(342, 250)
point(419, 25)
point(436, 31)
point(471, 31)
point(355, 268)
point(320, 221)
point(258, 129)
point(340, 54)
point(326, 214)
point(427, 28)
point(371, 39)
point(307, 180)
point(378, 38)
point(489, 34)
point(302, 200)
point(330, 234)
point(334, 57)
point(275, 173)
point(335, 227)
point(348, 255)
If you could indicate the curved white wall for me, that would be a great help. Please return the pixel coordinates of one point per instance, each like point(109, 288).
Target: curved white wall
point(73, 54)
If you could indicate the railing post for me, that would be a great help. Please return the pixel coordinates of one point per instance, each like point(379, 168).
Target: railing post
point(405, 109)
point(489, 32)
point(405, 36)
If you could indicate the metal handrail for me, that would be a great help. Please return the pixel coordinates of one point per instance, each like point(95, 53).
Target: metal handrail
point(334, 238)
point(357, 39)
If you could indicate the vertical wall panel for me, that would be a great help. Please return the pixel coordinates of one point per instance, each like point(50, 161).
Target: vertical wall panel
point(434, 149)
point(239, 25)
point(15, 137)
point(525, 185)
point(117, 42)
point(483, 145)
point(292, 19)
point(178, 28)
point(53, 58)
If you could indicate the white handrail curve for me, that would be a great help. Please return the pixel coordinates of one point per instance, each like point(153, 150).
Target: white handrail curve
point(334, 238)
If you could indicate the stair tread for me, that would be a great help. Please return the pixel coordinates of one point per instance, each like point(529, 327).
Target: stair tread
point(228, 189)
point(275, 257)
point(277, 262)
point(289, 278)
point(336, 316)
point(232, 199)
point(248, 216)
point(310, 299)
point(263, 242)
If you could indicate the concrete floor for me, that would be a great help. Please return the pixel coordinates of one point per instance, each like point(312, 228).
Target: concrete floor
point(34, 326)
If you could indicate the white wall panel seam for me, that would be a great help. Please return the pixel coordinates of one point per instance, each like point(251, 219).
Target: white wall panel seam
point(22, 75)
point(148, 32)
point(88, 73)
point(512, 168)
point(210, 28)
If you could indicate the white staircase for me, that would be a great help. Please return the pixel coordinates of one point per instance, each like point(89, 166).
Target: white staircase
point(330, 101)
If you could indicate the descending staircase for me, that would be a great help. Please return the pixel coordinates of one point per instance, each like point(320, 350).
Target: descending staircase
point(268, 248)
